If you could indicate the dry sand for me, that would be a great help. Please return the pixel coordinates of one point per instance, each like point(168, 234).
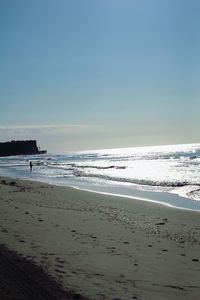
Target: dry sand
point(100, 246)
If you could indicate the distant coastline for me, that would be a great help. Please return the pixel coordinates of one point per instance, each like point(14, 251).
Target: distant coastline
point(27, 147)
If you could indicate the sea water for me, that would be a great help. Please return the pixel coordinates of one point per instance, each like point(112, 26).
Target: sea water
point(165, 174)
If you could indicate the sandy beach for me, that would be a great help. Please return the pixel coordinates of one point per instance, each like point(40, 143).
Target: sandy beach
point(101, 246)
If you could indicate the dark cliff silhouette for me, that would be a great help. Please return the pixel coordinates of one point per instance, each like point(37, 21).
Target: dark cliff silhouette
point(20, 148)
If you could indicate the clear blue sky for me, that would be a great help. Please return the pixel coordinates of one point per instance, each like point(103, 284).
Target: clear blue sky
point(86, 74)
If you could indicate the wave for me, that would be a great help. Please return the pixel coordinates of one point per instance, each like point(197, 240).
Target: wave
point(98, 167)
point(73, 166)
point(194, 194)
point(168, 184)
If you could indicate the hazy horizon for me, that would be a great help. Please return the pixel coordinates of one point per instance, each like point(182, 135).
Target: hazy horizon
point(81, 75)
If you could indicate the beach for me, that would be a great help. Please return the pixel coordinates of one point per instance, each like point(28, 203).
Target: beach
point(102, 246)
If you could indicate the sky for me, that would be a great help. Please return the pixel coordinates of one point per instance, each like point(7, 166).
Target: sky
point(96, 74)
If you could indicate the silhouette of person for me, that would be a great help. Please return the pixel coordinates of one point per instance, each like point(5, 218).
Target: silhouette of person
point(31, 166)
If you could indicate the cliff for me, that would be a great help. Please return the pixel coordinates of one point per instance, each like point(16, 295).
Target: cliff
point(20, 148)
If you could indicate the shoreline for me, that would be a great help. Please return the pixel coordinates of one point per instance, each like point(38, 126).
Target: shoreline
point(103, 246)
point(137, 198)
point(172, 200)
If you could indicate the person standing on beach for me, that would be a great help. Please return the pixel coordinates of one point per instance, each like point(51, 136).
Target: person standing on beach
point(31, 166)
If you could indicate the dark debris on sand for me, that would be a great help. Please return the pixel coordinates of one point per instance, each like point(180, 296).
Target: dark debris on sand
point(21, 279)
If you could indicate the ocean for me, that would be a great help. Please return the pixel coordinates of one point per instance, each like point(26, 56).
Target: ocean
point(165, 174)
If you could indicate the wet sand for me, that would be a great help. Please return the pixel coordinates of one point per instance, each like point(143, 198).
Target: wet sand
point(100, 246)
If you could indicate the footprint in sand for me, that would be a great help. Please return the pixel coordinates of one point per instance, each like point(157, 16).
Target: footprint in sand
point(59, 260)
point(111, 248)
point(59, 271)
point(44, 257)
point(59, 266)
